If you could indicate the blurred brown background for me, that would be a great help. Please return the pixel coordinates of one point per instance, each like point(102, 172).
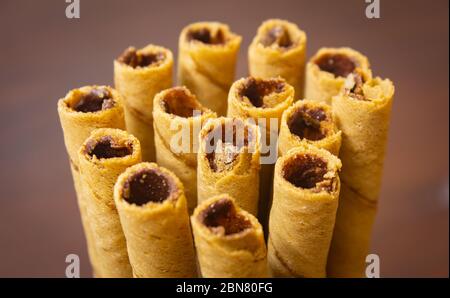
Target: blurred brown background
point(43, 55)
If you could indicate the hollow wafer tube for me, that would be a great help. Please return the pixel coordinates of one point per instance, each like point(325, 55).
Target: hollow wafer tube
point(263, 101)
point(155, 220)
point(228, 162)
point(327, 70)
point(178, 119)
point(103, 157)
point(305, 200)
point(138, 76)
point(279, 49)
point(229, 241)
point(309, 122)
point(80, 112)
point(363, 114)
point(207, 62)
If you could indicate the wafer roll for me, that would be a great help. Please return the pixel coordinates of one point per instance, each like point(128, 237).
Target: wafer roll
point(363, 114)
point(229, 240)
point(139, 75)
point(263, 101)
point(279, 49)
point(155, 220)
point(309, 122)
point(327, 69)
point(207, 62)
point(178, 120)
point(305, 200)
point(103, 157)
point(80, 112)
point(228, 162)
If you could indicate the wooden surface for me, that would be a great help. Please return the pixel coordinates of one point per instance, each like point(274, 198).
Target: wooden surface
point(43, 55)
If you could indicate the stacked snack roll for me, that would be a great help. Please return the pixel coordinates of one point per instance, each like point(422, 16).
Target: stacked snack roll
point(81, 111)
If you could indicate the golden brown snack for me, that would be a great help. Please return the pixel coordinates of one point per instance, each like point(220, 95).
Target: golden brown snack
point(178, 120)
point(263, 101)
point(229, 241)
point(80, 112)
point(228, 161)
point(327, 69)
point(279, 49)
point(139, 75)
point(309, 122)
point(363, 114)
point(207, 62)
point(103, 157)
point(305, 200)
point(155, 220)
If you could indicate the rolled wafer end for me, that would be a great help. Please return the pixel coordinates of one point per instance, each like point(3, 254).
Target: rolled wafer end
point(146, 183)
point(279, 35)
point(259, 98)
point(90, 103)
point(148, 58)
point(207, 59)
point(139, 74)
point(103, 157)
point(329, 67)
point(81, 111)
point(278, 49)
point(305, 200)
point(108, 145)
point(229, 161)
point(213, 35)
point(310, 169)
point(178, 120)
point(229, 240)
point(309, 122)
point(154, 216)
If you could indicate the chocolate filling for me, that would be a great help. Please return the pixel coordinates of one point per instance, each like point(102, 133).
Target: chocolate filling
point(132, 58)
point(222, 215)
point(106, 147)
point(338, 64)
point(204, 35)
point(356, 91)
point(307, 171)
point(255, 90)
point(179, 103)
point(305, 123)
point(95, 100)
point(148, 185)
point(226, 148)
point(277, 35)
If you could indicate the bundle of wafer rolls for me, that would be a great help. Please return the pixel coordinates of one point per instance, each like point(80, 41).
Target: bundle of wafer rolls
point(277, 174)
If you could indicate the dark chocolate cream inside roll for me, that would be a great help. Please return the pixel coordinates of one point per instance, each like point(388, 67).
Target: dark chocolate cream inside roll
point(205, 36)
point(338, 64)
point(96, 99)
point(357, 82)
point(225, 147)
point(148, 185)
point(305, 122)
point(278, 35)
point(222, 216)
point(307, 171)
point(178, 102)
point(107, 147)
point(257, 89)
point(134, 58)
